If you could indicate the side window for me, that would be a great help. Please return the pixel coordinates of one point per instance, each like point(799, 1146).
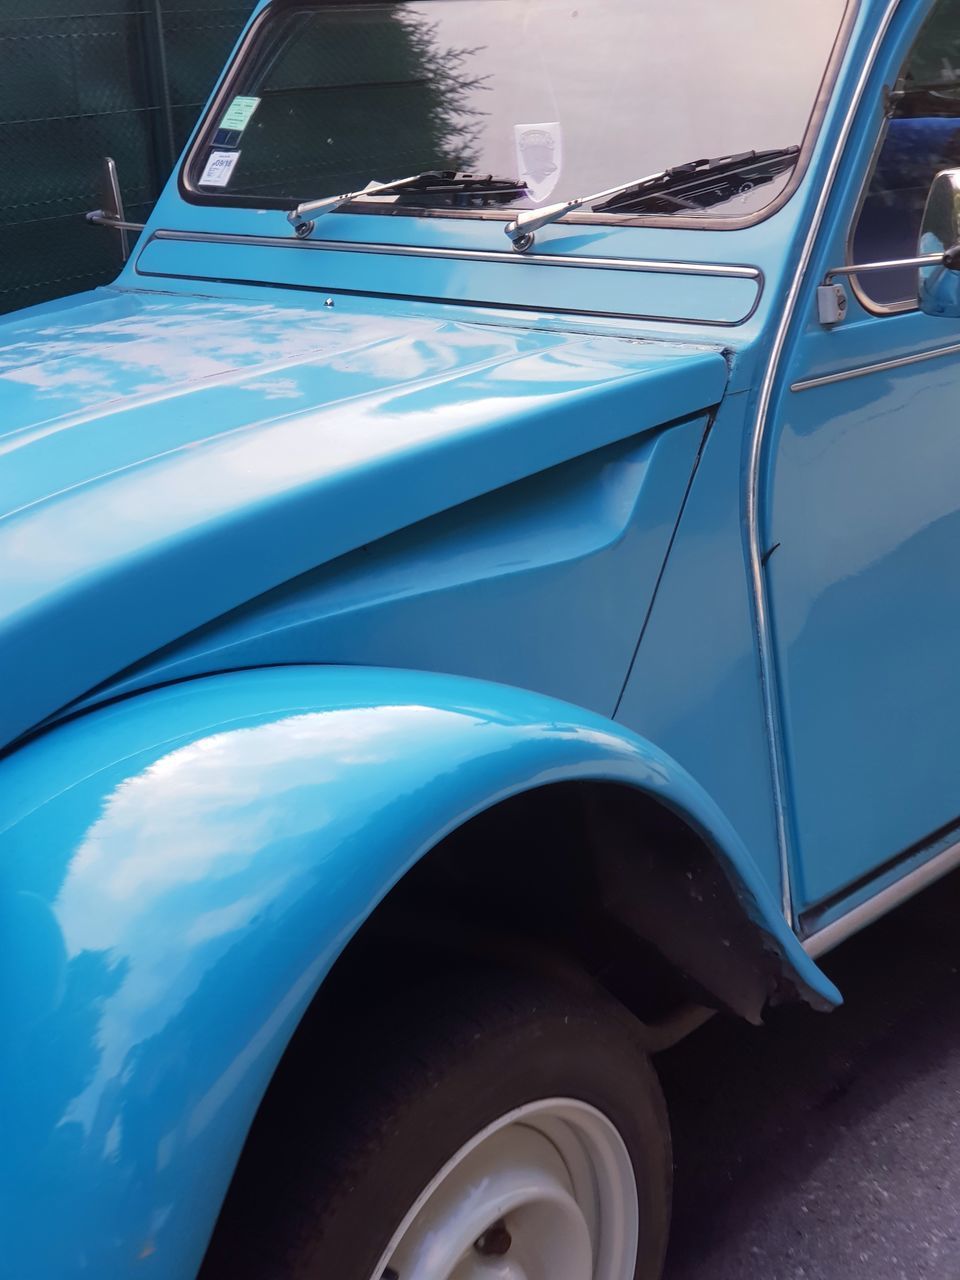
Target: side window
point(921, 137)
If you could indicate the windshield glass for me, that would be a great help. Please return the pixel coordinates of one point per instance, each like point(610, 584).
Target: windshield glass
point(554, 98)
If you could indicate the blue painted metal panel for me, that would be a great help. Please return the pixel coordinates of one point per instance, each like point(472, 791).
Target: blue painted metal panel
point(865, 514)
point(514, 281)
point(544, 585)
point(867, 605)
point(695, 686)
point(177, 873)
point(250, 477)
point(238, 446)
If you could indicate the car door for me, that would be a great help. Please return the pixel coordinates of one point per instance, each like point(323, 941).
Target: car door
point(862, 528)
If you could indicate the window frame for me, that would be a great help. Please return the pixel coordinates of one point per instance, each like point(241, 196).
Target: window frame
point(870, 305)
point(225, 92)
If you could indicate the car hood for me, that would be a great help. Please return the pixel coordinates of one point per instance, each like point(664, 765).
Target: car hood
point(164, 459)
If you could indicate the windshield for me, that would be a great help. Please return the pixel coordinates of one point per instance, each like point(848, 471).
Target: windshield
point(552, 98)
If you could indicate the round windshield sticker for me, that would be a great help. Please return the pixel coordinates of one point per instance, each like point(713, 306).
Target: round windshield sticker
point(539, 157)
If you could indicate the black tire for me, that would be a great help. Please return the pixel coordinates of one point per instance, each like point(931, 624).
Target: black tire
point(337, 1158)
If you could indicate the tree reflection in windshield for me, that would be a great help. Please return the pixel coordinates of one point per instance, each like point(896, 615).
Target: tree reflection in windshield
point(369, 94)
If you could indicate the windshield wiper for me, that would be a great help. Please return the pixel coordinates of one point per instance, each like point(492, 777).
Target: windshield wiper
point(461, 190)
point(427, 185)
point(696, 185)
point(703, 183)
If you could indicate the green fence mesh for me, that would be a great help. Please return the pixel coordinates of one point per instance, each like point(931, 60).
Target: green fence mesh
point(81, 79)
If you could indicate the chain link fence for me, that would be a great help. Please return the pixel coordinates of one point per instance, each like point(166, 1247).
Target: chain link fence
point(82, 79)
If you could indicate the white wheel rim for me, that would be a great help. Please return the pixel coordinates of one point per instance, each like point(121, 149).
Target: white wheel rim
point(547, 1192)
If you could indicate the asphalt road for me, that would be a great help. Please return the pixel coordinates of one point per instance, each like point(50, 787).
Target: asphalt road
point(821, 1146)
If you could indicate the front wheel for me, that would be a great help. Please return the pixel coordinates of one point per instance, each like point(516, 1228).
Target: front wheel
point(495, 1128)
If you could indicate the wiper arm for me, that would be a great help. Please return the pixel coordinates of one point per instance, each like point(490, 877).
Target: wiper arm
point(429, 183)
point(696, 182)
point(301, 218)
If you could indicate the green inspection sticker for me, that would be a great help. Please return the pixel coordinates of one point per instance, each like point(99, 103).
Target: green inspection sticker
point(239, 114)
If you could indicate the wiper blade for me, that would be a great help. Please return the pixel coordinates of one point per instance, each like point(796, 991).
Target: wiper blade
point(427, 184)
point(521, 230)
point(461, 190)
point(702, 183)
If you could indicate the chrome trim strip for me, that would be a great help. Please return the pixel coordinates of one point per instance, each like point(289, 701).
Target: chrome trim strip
point(768, 673)
point(921, 877)
point(879, 366)
point(469, 255)
point(100, 219)
point(513, 308)
point(892, 264)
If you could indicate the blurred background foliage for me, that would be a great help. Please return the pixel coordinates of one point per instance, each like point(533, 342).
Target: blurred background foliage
point(81, 79)
point(346, 94)
point(352, 93)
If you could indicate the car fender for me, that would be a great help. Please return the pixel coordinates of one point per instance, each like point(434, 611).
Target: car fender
point(179, 870)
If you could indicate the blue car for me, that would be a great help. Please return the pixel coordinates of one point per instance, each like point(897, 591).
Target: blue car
point(478, 594)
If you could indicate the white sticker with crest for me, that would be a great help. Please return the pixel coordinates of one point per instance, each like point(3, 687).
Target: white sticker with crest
point(219, 168)
point(539, 157)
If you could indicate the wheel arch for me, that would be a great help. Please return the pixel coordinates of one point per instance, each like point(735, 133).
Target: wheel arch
point(593, 879)
point(197, 858)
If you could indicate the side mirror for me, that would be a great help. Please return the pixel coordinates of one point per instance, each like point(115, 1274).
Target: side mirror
point(111, 214)
point(937, 260)
point(939, 286)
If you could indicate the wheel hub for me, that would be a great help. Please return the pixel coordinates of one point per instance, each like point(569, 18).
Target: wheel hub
point(494, 1242)
point(547, 1192)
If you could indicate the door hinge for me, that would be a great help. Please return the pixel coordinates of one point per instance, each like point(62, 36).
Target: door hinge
point(831, 304)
